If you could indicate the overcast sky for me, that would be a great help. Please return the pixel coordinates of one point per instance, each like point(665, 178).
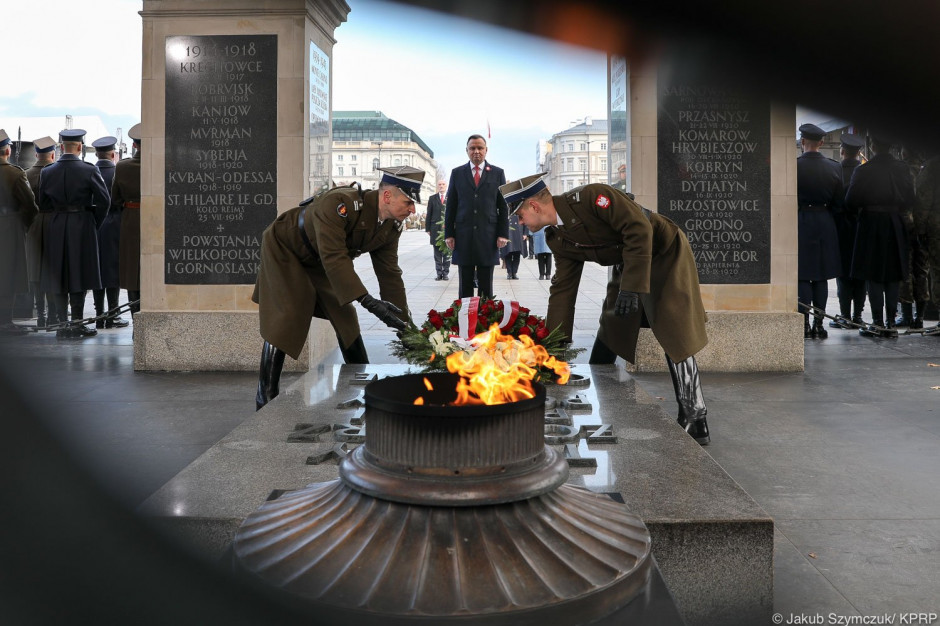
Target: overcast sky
point(443, 77)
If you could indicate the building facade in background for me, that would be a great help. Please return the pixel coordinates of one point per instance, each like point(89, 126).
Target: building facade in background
point(364, 141)
point(576, 156)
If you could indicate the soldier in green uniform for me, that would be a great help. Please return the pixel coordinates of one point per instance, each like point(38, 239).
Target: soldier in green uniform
point(307, 269)
point(17, 211)
point(125, 201)
point(45, 155)
point(655, 279)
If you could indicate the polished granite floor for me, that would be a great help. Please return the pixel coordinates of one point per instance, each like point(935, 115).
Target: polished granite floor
point(844, 456)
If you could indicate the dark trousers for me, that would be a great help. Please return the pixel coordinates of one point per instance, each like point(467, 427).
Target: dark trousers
point(851, 293)
point(441, 263)
point(545, 264)
point(484, 278)
point(512, 264)
point(814, 292)
point(99, 296)
point(883, 297)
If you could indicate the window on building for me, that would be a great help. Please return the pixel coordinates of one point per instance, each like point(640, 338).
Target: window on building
point(339, 157)
point(375, 164)
point(353, 157)
point(353, 168)
point(583, 147)
point(582, 164)
point(397, 161)
point(570, 147)
point(604, 164)
point(339, 170)
point(603, 147)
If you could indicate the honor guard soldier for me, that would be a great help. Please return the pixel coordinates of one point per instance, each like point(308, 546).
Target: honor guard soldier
point(125, 209)
point(655, 279)
point(880, 191)
point(109, 234)
point(307, 269)
point(75, 193)
point(45, 155)
point(819, 191)
point(17, 211)
point(851, 291)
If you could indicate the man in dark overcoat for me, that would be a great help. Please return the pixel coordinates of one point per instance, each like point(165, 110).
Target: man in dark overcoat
point(75, 193)
point(656, 278)
point(46, 312)
point(109, 234)
point(125, 202)
point(477, 220)
point(819, 191)
point(433, 224)
point(851, 291)
point(17, 211)
point(307, 269)
point(879, 192)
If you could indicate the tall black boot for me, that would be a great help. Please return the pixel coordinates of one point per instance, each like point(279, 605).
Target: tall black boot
point(77, 302)
point(114, 321)
point(689, 396)
point(98, 296)
point(917, 322)
point(807, 328)
point(272, 362)
point(819, 331)
point(131, 297)
point(355, 353)
point(39, 301)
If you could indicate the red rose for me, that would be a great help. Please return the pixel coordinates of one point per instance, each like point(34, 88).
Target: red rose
point(541, 323)
point(433, 313)
point(424, 331)
point(541, 333)
point(455, 329)
point(449, 312)
point(499, 305)
point(532, 320)
point(436, 322)
point(523, 311)
point(525, 331)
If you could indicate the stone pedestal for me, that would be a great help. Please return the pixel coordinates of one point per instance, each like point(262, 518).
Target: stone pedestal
point(236, 128)
point(721, 164)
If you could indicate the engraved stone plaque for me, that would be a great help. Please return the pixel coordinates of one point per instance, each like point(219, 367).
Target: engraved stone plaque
point(714, 176)
point(221, 156)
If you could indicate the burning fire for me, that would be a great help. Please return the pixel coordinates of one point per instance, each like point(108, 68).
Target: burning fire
point(500, 369)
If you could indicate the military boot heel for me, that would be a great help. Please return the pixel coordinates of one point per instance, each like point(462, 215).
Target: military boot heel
point(819, 331)
point(269, 377)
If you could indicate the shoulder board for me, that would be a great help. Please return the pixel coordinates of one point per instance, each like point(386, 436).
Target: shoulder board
point(308, 201)
point(573, 196)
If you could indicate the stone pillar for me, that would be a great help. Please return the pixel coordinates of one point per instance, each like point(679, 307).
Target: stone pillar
point(236, 106)
point(721, 164)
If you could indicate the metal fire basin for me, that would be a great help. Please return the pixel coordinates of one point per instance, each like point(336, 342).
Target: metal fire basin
point(449, 514)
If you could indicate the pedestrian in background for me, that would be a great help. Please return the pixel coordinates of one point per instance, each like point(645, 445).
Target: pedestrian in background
point(543, 254)
point(434, 224)
point(512, 251)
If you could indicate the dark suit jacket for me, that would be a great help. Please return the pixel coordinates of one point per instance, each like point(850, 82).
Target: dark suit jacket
point(433, 217)
point(476, 216)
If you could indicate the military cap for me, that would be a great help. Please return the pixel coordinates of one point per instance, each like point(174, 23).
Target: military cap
point(812, 132)
point(72, 134)
point(44, 144)
point(4, 138)
point(134, 133)
point(518, 190)
point(622, 168)
point(406, 178)
point(852, 141)
point(104, 144)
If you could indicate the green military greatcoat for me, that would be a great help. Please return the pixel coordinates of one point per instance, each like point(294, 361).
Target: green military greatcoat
point(604, 226)
point(297, 281)
point(36, 229)
point(125, 197)
point(17, 211)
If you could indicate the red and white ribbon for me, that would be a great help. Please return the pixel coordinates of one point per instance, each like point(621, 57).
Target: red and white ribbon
point(467, 317)
point(510, 314)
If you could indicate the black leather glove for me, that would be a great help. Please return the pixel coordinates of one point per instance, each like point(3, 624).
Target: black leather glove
point(383, 310)
point(627, 302)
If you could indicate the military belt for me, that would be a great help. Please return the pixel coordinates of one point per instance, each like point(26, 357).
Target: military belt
point(814, 208)
point(881, 208)
point(131, 205)
point(70, 208)
point(303, 234)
